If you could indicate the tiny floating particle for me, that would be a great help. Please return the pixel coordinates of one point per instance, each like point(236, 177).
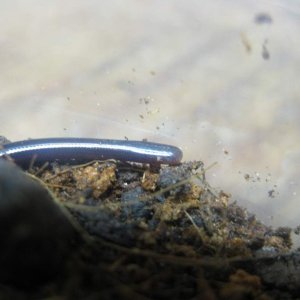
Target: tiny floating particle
point(247, 176)
point(265, 52)
point(271, 193)
point(246, 42)
point(263, 18)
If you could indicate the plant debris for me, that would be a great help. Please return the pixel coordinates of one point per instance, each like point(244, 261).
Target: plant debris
point(162, 233)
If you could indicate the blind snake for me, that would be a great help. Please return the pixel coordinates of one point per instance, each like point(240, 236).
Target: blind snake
point(80, 150)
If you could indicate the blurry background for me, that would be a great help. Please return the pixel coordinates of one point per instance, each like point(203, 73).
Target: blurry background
point(220, 79)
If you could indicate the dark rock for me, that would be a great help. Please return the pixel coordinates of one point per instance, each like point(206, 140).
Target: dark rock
point(36, 237)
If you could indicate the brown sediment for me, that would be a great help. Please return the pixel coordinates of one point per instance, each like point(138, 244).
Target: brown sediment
point(165, 234)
